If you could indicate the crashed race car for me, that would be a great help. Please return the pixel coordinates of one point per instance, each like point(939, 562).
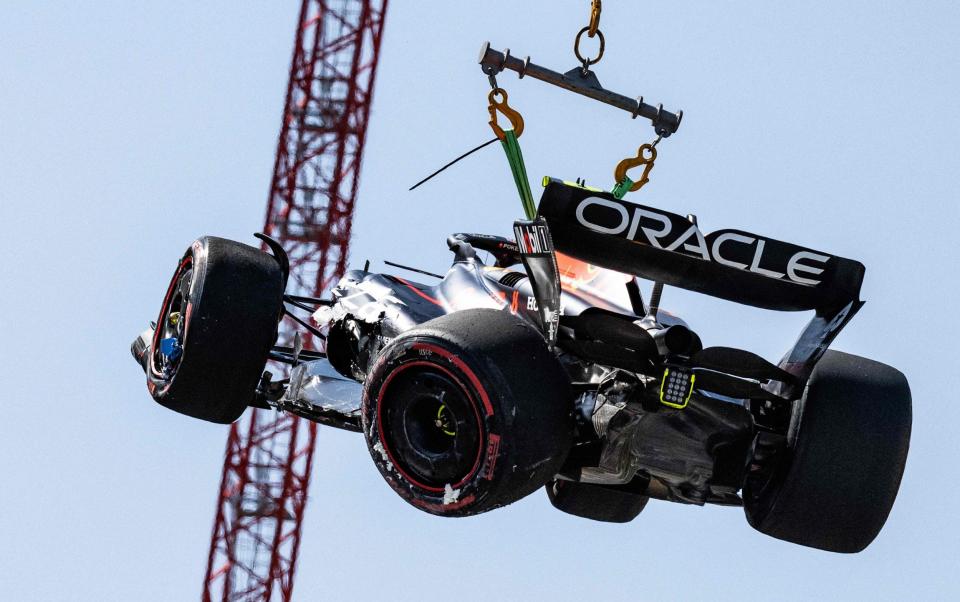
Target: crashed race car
point(547, 369)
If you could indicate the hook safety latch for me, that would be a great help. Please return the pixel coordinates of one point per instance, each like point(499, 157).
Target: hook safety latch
point(516, 120)
point(646, 155)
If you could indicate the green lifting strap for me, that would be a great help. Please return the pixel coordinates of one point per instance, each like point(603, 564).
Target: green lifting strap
point(511, 146)
point(622, 187)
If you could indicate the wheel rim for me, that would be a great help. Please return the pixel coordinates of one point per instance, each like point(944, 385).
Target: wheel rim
point(430, 426)
point(170, 334)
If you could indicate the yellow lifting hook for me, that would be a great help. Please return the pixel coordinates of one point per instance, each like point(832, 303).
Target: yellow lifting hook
point(647, 161)
point(516, 120)
point(594, 25)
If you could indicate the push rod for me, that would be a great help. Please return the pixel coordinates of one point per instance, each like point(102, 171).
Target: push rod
point(582, 82)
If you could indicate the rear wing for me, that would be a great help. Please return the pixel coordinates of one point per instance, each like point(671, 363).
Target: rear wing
point(738, 266)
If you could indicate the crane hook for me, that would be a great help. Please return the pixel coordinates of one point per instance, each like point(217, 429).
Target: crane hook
point(515, 118)
point(646, 155)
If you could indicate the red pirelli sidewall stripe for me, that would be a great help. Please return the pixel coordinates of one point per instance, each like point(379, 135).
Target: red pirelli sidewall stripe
point(185, 264)
point(485, 399)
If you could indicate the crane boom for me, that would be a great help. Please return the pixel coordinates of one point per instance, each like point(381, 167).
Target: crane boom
point(266, 471)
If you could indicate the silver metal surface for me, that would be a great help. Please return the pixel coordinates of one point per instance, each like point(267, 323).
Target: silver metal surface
point(318, 391)
point(664, 122)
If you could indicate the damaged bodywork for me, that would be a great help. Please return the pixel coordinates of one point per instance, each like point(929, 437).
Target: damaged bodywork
point(537, 362)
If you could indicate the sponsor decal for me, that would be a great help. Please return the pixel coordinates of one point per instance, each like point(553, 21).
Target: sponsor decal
point(731, 248)
point(532, 239)
point(536, 249)
point(532, 305)
point(493, 449)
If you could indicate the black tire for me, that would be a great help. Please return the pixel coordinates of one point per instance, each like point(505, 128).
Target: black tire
point(835, 484)
point(229, 297)
point(595, 502)
point(467, 412)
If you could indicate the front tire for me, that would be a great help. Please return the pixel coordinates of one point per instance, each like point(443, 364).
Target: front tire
point(834, 485)
point(467, 412)
point(216, 326)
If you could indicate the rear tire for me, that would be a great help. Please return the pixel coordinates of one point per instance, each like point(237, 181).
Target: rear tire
point(834, 486)
point(229, 297)
point(595, 502)
point(467, 412)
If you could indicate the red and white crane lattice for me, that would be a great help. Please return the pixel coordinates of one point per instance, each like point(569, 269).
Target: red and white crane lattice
point(266, 472)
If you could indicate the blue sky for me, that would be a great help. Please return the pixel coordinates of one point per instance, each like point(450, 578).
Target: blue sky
point(129, 129)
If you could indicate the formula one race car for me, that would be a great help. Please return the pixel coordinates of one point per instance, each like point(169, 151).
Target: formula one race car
point(548, 369)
